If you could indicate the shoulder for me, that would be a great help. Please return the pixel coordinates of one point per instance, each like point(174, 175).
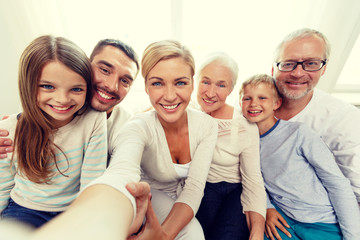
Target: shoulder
point(244, 124)
point(331, 104)
point(200, 118)
point(89, 117)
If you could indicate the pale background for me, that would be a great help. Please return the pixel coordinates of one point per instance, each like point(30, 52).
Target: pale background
point(249, 31)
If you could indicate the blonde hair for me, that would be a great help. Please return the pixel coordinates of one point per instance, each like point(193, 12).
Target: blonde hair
point(257, 79)
point(164, 50)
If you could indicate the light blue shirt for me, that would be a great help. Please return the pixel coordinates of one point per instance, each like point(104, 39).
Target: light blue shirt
point(303, 179)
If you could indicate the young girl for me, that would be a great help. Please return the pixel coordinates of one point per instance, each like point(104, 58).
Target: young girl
point(60, 144)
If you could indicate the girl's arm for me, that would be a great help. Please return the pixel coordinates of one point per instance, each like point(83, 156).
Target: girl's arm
point(95, 151)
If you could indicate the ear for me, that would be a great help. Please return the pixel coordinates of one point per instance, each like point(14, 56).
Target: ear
point(323, 69)
point(272, 71)
point(146, 89)
point(277, 103)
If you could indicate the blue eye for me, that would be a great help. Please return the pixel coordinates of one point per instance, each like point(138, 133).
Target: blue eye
point(156, 84)
point(205, 82)
point(180, 83)
point(46, 86)
point(222, 85)
point(77, 89)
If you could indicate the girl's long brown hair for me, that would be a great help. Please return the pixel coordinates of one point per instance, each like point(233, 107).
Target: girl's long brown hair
point(33, 141)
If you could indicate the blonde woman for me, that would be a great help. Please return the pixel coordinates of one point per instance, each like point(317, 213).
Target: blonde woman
point(172, 144)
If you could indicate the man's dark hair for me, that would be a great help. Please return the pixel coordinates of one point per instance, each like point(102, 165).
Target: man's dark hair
point(129, 51)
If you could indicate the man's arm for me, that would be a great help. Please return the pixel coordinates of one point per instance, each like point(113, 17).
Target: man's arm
point(5, 144)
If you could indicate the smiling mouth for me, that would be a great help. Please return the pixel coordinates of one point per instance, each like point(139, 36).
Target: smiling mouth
point(296, 83)
point(104, 95)
point(170, 107)
point(209, 101)
point(255, 112)
point(61, 108)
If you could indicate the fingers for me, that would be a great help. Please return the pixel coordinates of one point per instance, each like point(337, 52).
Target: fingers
point(283, 221)
point(4, 133)
point(281, 226)
point(139, 189)
point(5, 147)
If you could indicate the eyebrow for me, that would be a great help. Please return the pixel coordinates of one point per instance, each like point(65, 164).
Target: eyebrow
point(105, 63)
point(176, 79)
point(49, 82)
point(112, 67)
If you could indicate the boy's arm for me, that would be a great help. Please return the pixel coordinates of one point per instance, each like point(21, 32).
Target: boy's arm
point(273, 221)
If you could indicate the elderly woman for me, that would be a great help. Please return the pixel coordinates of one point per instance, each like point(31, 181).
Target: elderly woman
point(235, 168)
point(172, 144)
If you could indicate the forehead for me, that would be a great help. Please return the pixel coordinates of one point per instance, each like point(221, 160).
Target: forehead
point(216, 71)
point(171, 68)
point(311, 47)
point(116, 58)
point(57, 72)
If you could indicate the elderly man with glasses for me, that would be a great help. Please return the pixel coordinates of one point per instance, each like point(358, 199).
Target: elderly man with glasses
point(300, 61)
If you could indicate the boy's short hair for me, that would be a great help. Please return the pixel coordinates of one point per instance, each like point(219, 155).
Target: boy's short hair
point(261, 78)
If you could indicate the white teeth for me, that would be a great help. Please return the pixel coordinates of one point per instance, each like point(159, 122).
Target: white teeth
point(254, 111)
point(61, 108)
point(208, 101)
point(170, 107)
point(103, 95)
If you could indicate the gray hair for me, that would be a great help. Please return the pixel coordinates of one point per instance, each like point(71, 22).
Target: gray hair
point(303, 33)
point(225, 60)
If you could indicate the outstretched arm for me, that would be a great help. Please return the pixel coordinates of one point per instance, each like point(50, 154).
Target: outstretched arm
point(100, 212)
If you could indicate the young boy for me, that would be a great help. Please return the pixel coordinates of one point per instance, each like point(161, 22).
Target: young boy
point(307, 192)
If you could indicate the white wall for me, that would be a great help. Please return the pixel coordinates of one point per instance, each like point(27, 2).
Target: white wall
point(248, 30)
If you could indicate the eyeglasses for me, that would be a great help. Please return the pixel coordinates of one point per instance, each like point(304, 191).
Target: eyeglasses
point(308, 65)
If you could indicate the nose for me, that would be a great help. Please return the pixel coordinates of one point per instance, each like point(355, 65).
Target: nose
point(253, 102)
point(211, 92)
point(170, 94)
point(298, 71)
point(62, 97)
point(111, 83)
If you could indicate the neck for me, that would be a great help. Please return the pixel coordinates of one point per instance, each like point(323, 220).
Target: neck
point(291, 107)
point(174, 126)
point(108, 113)
point(225, 112)
point(265, 126)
